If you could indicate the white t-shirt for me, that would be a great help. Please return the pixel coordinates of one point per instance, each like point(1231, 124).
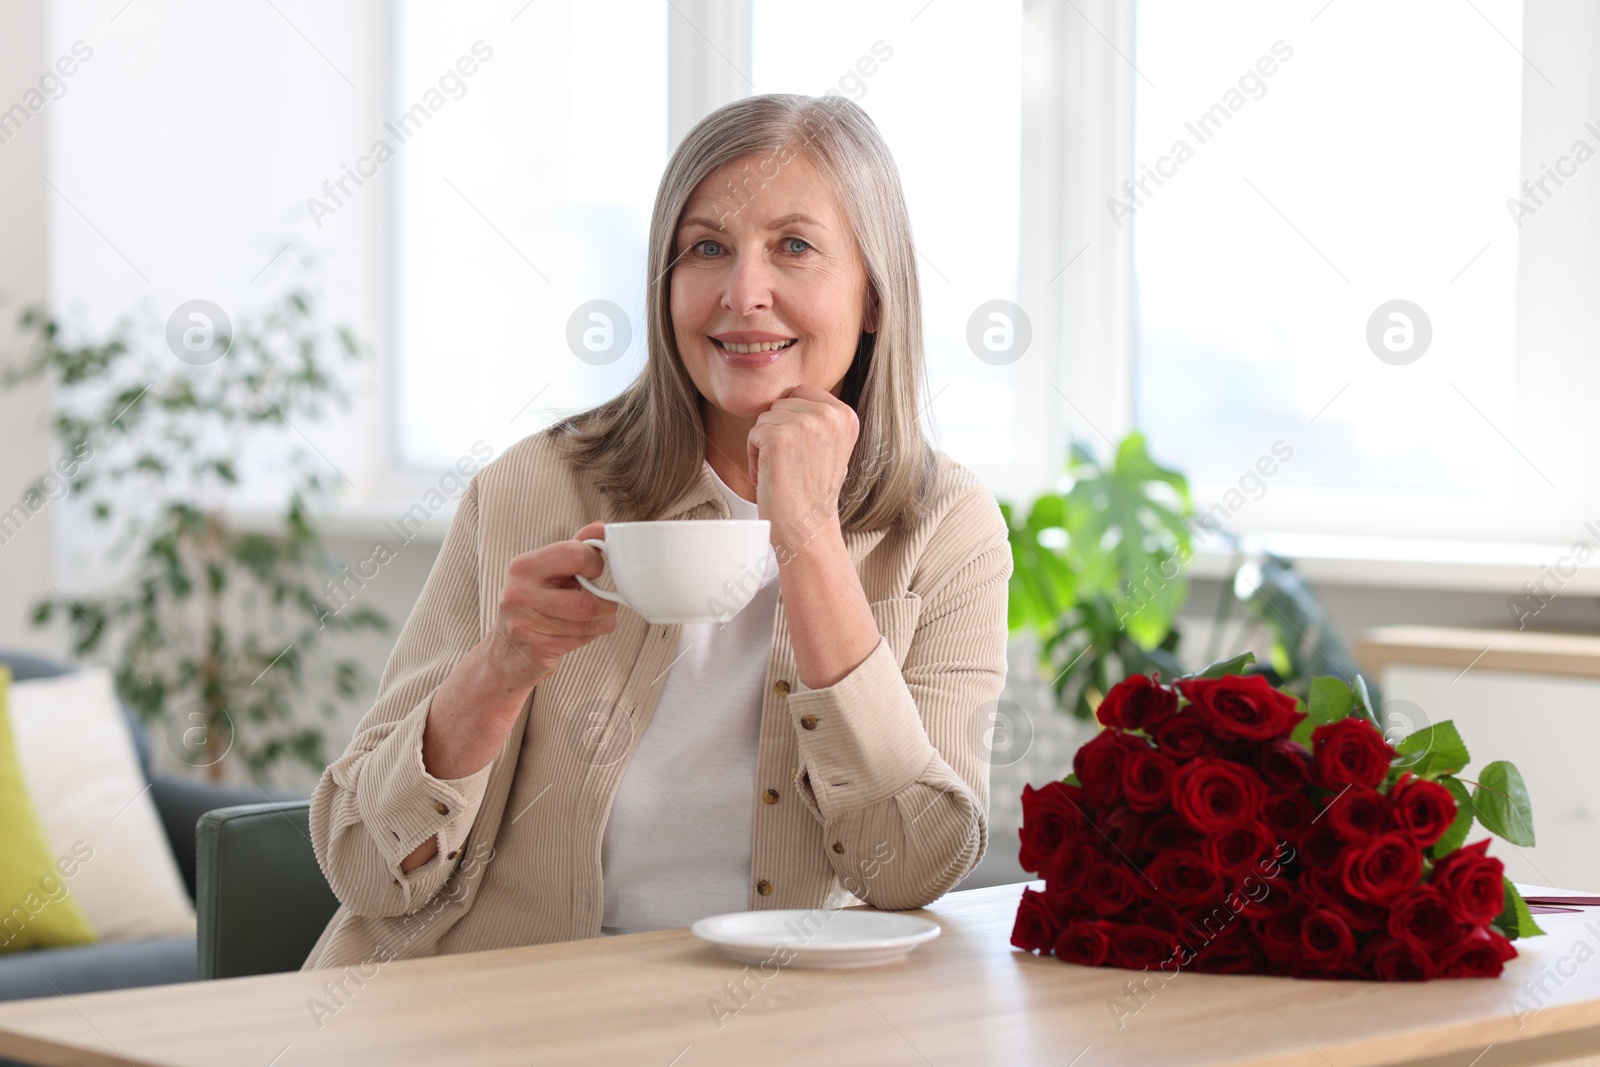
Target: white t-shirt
point(677, 842)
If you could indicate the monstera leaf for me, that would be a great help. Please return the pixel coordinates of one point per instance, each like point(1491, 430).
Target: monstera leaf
point(1130, 537)
point(1100, 573)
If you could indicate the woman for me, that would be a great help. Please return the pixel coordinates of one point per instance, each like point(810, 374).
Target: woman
point(542, 766)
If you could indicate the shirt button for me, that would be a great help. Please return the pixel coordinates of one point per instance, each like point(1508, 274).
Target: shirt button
point(808, 721)
point(764, 887)
point(441, 807)
point(770, 796)
point(838, 847)
point(453, 853)
point(781, 687)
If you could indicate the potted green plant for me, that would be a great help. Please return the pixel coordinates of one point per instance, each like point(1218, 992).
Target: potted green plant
point(1100, 575)
point(212, 629)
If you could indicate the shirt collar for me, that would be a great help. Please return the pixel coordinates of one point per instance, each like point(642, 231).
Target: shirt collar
point(703, 492)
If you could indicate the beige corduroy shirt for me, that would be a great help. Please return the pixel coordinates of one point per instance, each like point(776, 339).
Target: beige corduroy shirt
point(874, 789)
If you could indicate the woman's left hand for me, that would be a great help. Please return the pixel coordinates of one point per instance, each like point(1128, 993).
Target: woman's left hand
point(799, 453)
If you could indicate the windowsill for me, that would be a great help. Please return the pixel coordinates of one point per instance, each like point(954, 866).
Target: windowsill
point(361, 519)
point(1388, 562)
point(1414, 563)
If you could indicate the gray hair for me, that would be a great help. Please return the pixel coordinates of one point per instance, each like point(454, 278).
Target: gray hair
point(646, 445)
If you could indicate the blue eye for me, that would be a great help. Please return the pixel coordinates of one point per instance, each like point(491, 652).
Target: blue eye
point(700, 247)
point(790, 242)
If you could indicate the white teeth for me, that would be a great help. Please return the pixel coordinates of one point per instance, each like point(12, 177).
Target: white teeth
point(765, 346)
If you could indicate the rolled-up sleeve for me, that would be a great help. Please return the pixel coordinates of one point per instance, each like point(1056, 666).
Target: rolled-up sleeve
point(375, 804)
point(894, 760)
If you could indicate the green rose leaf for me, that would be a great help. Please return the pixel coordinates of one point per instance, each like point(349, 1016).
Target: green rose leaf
point(1236, 665)
point(1302, 730)
point(1331, 700)
point(1456, 835)
point(1433, 751)
point(1501, 800)
point(1516, 920)
point(1364, 702)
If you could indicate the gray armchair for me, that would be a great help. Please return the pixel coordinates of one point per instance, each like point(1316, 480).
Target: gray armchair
point(264, 901)
point(122, 965)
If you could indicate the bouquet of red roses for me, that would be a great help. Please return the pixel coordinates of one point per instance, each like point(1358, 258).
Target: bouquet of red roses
point(1228, 826)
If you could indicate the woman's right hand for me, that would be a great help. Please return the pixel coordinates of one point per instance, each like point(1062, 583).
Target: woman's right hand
point(544, 613)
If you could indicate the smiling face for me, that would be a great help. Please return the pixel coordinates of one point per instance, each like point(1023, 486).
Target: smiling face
point(768, 293)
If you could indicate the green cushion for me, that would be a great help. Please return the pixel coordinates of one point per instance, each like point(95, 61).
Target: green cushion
point(36, 905)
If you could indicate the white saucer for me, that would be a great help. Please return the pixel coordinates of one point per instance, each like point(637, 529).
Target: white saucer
point(820, 937)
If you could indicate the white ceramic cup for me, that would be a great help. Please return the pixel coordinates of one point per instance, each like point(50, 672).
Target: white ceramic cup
point(684, 570)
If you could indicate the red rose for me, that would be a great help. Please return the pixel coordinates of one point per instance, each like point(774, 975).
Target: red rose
point(1279, 933)
point(1066, 873)
point(1283, 762)
point(1235, 850)
point(1481, 954)
point(1422, 808)
point(1390, 960)
point(1425, 921)
point(1084, 941)
point(1321, 846)
point(1050, 815)
point(1137, 703)
point(1108, 888)
point(1327, 891)
point(1243, 706)
point(1229, 954)
point(1135, 946)
point(1275, 895)
point(1183, 877)
point(1158, 916)
point(1170, 832)
point(1472, 882)
point(1123, 828)
point(1184, 737)
point(1380, 869)
point(1212, 794)
point(1288, 814)
point(1326, 940)
point(1036, 927)
point(1147, 780)
point(1357, 813)
point(1350, 752)
point(1098, 765)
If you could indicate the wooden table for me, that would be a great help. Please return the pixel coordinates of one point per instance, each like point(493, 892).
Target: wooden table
point(965, 998)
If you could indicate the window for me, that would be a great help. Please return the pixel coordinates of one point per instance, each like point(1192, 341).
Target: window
point(1292, 180)
point(518, 205)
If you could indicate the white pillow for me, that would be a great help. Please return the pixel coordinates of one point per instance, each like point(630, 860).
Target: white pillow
point(81, 769)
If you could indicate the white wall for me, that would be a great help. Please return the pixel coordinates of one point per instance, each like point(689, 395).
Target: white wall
point(24, 440)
